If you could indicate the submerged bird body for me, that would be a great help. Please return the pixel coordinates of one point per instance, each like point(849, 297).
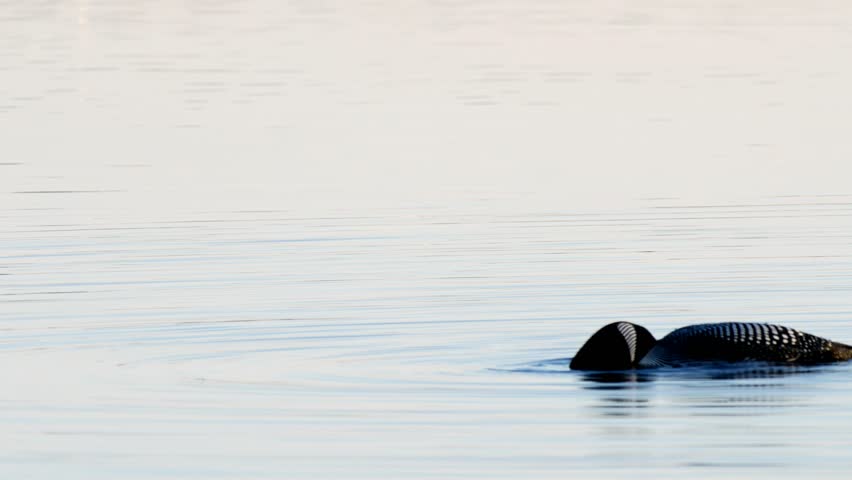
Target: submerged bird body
point(623, 346)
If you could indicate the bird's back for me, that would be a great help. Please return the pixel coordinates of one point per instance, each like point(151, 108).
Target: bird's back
point(736, 342)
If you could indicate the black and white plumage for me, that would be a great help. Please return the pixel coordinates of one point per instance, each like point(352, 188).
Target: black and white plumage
point(624, 345)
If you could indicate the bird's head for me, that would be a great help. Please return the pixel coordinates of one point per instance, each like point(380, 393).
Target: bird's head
point(617, 346)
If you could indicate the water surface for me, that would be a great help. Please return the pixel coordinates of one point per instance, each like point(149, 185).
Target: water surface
point(250, 239)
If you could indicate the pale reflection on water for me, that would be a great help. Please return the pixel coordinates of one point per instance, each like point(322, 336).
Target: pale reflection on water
point(263, 239)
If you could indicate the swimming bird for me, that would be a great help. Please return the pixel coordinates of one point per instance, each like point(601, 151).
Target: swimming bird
point(625, 346)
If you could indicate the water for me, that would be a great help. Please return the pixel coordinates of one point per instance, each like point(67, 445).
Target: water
point(248, 239)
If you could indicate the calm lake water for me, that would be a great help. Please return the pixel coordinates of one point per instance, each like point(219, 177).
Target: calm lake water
point(321, 239)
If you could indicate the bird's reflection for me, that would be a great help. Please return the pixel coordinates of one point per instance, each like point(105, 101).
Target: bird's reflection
point(620, 380)
point(626, 394)
point(751, 371)
point(699, 390)
point(691, 391)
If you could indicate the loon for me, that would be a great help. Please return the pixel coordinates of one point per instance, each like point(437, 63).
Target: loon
point(625, 346)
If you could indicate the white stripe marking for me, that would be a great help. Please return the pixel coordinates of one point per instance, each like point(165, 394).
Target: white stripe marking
point(628, 331)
